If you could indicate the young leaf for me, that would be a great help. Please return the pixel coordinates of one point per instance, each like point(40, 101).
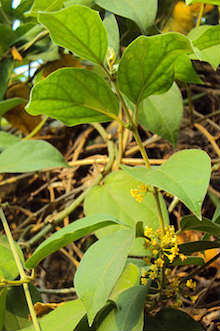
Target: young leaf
point(65, 318)
point(100, 268)
point(74, 96)
point(170, 319)
point(198, 246)
point(206, 38)
point(8, 267)
point(205, 225)
point(30, 155)
point(111, 26)
point(7, 139)
point(162, 114)
point(8, 104)
point(171, 177)
point(143, 70)
point(80, 29)
point(68, 234)
point(141, 12)
point(115, 199)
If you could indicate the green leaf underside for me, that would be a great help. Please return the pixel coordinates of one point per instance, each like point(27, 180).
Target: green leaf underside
point(30, 155)
point(68, 234)
point(74, 96)
point(197, 246)
point(143, 70)
point(185, 72)
point(8, 104)
point(205, 225)
point(186, 175)
point(142, 13)
point(79, 29)
point(170, 319)
point(8, 267)
point(7, 139)
point(104, 261)
point(162, 114)
point(65, 317)
point(115, 199)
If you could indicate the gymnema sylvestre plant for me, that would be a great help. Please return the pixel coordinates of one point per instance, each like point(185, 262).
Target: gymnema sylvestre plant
point(126, 275)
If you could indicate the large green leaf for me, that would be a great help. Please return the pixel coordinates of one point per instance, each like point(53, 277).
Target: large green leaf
point(206, 38)
point(8, 104)
point(141, 12)
point(115, 199)
point(170, 319)
point(30, 155)
point(103, 262)
point(111, 26)
point(185, 72)
point(45, 5)
point(205, 225)
point(8, 267)
point(186, 175)
point(74, 96)
point(68, 234)
point(7, 139)
point(147, 65)
point(162, 114)
point(65, 317)
point(80, 29)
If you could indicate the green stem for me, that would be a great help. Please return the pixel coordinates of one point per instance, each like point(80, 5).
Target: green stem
point(21, 270)
point(200, 15)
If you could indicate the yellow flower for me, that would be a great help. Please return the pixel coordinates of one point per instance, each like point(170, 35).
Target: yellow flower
point(191, 284)
point(148, 231)
point(142, 188)
point(155, 252)
point(159, 262)
point(182, 257)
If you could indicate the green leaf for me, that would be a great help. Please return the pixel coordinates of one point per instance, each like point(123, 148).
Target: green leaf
point(3, 293)
point(205, 225)
point(104, 261)
point(8, 267)
point(7, 36)
point(170, 319)
point(68, 234)
point(111, 26)
point(65, 317)
point(185, 72)
point(211, 2)
point(45, 5)
point(162, 114)
point(30, 155)
point(143, 70)
point(7, 139)
point(6, 67)
point(115, 199)
point(141, 12)
point(197, 246)
point(74, 96)
point(139, 248)
point(206, 38)
point(190, 260)
point(8, 104)
point(131, 306)
point(186, 175)
point(88, 3)
point(130, 277)
point(80, 29)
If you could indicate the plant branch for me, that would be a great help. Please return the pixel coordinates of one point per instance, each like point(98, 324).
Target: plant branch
point(21, 271)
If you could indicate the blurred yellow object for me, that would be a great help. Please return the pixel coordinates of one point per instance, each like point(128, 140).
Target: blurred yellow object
point(183, 16)
point(17, 116)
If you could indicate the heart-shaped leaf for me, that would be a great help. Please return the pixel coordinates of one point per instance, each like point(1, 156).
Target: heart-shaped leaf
point(147, 65)
point(30, 155)
point(185, 175)
point(68, 234)
point(100, 268)
point(80, 29)
point(74, 96)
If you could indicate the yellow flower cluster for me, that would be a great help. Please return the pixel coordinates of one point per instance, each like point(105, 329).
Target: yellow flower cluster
point(138, 193)
point(191, 284)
